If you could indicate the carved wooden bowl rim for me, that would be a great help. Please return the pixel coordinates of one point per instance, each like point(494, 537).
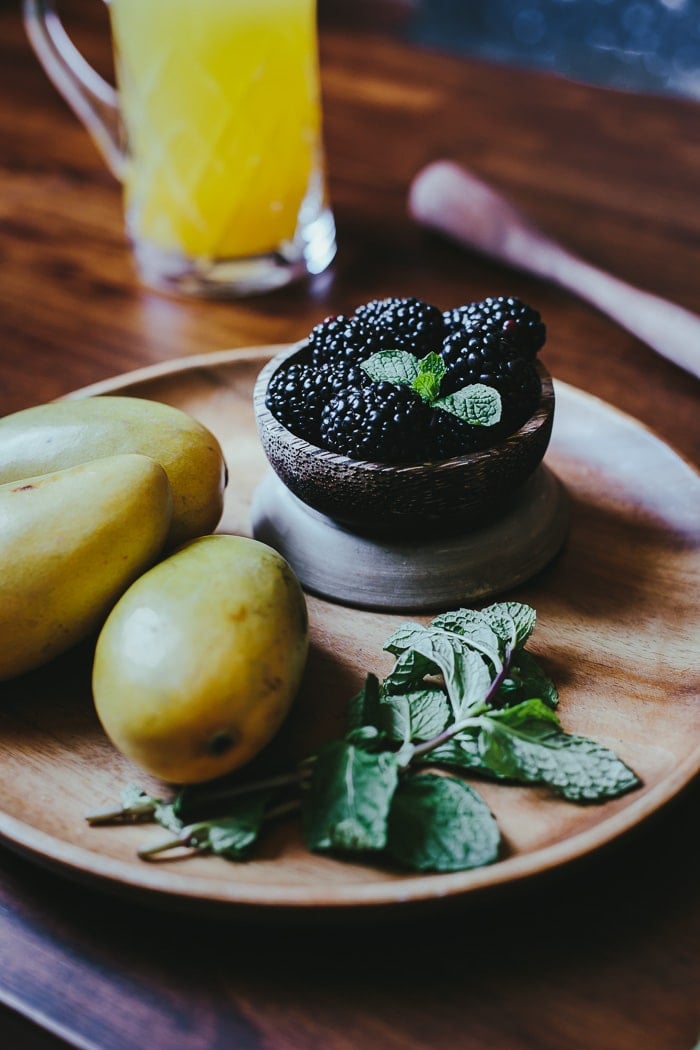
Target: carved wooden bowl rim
point(270, 427)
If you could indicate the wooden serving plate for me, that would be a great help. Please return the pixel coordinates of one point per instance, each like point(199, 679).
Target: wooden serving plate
point(617, 627)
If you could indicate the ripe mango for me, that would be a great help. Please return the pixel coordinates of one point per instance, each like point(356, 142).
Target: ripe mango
point(71, 542)
point(198, 663)
point(64, 433)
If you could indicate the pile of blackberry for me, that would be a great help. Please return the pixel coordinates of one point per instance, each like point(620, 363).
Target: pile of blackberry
point(326, 397)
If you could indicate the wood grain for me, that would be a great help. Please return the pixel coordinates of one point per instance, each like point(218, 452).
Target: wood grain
point(445, 197)
point(632, 551)
point(587, 165)
point(599, 953)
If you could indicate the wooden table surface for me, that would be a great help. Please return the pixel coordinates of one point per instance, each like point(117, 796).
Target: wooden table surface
point(600, 954)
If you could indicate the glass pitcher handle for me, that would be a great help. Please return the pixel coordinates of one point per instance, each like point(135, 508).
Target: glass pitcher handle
point(94, 101)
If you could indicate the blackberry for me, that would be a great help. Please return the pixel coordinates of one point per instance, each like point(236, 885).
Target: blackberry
point(379, 422)
point(515, 321)
point(340, 376)
point(484, 356)
point(296, 394)
point(337, 338)
point(400, 324)
point(465, 348)
point(328, 399)
point(449, 436)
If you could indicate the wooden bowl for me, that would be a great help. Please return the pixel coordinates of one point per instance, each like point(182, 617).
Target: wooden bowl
point(429, 498)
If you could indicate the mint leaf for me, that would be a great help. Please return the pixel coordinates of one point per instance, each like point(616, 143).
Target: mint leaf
point(233, 835)
point(526, 743)
point(432, 364)
point(431, 370)
point(136, 806)
point(403, 637)
point(404, 369)
point(439, 823)
point(166, 814)
point(464, 695)
point(460, 752)
point(474, 628)
point(506, 616)
point(392, 366)
point(532, 713)
point(467, 678)
point(409, 670)
point(416, 715)
point(412, 665)
point(347, 804)
point(476, 404)
point(458, 621)
point(230, 836)
point(511, 622)
point(527, 681)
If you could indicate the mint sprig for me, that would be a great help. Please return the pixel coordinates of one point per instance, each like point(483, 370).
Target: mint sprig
point(477, 404)
point(464, 696)
point(431, 371)
point(231, 836)
point(392, 366)
point(135, 807)
point(347, 804)
point(527, 744)
point(439, 823)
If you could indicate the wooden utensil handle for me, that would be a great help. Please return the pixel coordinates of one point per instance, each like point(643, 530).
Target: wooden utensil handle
point(445, 197)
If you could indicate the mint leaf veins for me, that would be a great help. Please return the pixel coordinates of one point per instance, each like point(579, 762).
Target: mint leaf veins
point(431, 370)
point(347, 804)
point(464, 697)
point(477, 404)
point(441, 823)
point(392, 366)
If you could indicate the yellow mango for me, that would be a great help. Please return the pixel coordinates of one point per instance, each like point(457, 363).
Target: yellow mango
point(71, 542)
point(64, 433)
point(198, 663)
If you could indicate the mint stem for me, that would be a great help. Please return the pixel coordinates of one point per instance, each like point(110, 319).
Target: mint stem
point(280, 780)
point(472, 719)
point(183, 839)
point(112, 814)
point(187, 837)
point(283, 809)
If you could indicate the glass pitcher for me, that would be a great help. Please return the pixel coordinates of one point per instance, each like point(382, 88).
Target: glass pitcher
point(214, 131)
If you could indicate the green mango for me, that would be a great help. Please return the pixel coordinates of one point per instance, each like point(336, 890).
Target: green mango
point(198, 663)
point(64, 433)
point(71, 542)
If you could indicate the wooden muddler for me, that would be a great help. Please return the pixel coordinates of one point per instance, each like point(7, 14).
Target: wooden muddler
point(447, 198)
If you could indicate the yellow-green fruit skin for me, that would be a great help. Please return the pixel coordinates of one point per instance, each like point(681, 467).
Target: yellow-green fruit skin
point(64, 433)
point(71, 542)
point(198, 664)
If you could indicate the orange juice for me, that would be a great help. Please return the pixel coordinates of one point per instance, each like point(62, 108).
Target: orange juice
point(220, 107)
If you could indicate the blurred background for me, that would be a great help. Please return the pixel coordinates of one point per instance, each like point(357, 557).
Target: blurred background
point(634, 45)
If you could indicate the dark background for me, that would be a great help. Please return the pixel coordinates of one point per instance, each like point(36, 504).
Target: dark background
point(635, 45)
